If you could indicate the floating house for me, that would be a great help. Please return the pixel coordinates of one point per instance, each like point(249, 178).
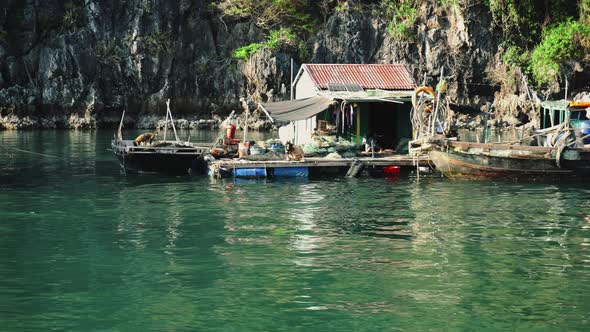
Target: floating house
point(350, 100)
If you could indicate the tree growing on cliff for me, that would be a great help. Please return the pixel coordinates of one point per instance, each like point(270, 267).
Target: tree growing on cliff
point(569, 40)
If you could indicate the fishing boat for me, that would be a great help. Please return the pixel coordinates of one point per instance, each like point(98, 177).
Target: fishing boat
point(160, 157)
point(560, 149)
point(456, 159)
point(563, 149)
point(148, 154)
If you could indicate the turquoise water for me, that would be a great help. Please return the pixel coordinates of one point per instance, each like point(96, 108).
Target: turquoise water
point(86, 248)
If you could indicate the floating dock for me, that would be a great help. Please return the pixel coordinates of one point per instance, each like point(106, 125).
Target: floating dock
point(267, 168)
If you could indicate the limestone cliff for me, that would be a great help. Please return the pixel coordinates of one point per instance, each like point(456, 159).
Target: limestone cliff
point(78, 64)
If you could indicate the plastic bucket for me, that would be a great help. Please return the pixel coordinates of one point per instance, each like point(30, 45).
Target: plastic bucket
point(291, 172)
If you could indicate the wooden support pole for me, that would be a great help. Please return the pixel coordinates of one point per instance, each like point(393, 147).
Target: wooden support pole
point(166, 126)
point(120, 131)
point(172, 121)
point(291, 79)
point(485, 123)
point(437, 103)
point(358, 126)
point(246, 123)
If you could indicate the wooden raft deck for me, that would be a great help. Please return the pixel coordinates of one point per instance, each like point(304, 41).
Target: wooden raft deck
point(394, 160)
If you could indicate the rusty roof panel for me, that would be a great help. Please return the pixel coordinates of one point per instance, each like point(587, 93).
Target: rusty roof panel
point(373, 76)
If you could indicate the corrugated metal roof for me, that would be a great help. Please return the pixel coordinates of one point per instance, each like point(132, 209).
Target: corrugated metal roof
point(373, 76)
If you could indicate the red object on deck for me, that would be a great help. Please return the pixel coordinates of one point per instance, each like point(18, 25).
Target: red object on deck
point(391, 170)
point(230, 132)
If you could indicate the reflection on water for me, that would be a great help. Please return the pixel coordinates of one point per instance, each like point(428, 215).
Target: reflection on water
point(84, 247)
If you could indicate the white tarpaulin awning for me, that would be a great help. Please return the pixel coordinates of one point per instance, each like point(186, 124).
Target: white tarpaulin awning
point(298, 109)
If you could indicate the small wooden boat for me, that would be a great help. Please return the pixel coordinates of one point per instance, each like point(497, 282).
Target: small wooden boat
point(560, 149)
point(175, 157)
point(494, 160)
point(161, 156)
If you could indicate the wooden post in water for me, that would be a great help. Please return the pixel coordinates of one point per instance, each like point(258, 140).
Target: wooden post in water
point(484, 137)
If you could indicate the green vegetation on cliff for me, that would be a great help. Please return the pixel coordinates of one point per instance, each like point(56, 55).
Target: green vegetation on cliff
point(569, 40)
point(537, 36)
point(540, 37)
point(276, 39)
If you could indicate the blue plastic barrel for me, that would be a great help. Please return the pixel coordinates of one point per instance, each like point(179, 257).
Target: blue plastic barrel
point(250, 172)
point(584, 126)
point(291, 172)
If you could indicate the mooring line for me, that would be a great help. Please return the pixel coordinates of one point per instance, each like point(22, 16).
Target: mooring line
point(31, 152)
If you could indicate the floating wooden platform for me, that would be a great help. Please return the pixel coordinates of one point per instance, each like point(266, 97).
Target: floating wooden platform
point(225, 167)
point(395, 160)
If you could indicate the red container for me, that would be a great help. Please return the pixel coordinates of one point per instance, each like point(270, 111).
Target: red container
point(230, 132)
point(391, 170)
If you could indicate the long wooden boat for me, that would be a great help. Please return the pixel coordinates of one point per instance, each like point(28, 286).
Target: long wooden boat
point(457, 159)
point(161, 156)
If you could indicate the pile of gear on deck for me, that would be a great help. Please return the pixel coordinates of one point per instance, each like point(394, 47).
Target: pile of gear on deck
point(331, 147)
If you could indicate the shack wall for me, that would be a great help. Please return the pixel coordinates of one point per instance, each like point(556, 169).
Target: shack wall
point(305, 88)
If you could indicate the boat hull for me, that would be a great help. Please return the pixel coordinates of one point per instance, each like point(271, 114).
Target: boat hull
point(181, 161)
point(487, 160)
point(464, 165)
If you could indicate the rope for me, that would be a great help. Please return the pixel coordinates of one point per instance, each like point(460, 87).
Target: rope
point(29, 152)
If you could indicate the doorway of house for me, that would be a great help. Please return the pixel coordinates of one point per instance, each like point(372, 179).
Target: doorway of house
point(389, 123)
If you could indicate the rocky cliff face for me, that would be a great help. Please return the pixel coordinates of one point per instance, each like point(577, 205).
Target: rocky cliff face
point(447, 37)
point(80, 63)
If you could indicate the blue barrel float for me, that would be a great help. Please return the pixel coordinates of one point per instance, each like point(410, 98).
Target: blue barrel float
point(250, 173)
point(291, 172)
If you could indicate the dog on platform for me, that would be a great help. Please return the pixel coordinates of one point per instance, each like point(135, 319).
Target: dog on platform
point(145, 138)
point(293, 152)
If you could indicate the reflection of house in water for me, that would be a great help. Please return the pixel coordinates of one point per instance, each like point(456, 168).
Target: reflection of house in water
point(351, 100)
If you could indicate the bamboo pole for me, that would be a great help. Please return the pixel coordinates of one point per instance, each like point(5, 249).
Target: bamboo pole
point(120, 132)
point(246, 123)
point(437, 103)
point(291, 78)
point(166, 126)
point(172, 121)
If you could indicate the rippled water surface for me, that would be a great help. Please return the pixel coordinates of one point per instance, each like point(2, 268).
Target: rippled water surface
point(86, 248)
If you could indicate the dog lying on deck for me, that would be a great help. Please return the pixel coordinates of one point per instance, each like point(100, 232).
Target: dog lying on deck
point(293, 152)
point(145, 138)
